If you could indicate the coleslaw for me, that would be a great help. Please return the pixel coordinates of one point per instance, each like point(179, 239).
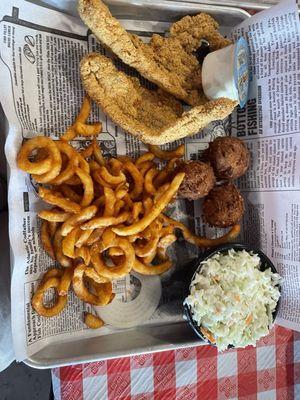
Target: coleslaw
point(232, 300)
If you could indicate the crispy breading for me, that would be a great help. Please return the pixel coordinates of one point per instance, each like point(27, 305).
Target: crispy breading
point(189, 30)
point(169, 62)
point(152, 115)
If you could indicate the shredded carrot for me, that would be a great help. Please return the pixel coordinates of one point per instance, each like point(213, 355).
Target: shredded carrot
point(249, 319)
point(237, 297)
point(208, 335)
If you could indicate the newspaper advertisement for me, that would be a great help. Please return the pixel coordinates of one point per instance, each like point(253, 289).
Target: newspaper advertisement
point(41, 93)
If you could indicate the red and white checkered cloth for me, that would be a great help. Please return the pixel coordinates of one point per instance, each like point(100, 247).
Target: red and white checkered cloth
point(269, 371)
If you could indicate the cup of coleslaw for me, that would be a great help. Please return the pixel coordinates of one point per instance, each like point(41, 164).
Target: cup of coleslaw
point(233, 296)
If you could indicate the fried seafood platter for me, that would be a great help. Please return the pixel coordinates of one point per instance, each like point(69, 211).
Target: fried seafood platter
point(106, 217)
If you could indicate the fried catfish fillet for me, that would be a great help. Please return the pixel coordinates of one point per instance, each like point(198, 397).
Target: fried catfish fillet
point(154, 116)
point(169, 62)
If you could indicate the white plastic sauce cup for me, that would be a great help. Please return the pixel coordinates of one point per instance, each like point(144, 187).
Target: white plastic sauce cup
point(225, 73)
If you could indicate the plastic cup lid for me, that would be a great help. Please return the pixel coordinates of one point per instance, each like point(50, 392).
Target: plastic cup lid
point(241, 70)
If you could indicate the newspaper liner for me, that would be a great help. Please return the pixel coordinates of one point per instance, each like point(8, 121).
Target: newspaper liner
point(41, 93)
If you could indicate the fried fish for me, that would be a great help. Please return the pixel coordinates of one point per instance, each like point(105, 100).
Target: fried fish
point(169, 62)
point(154, 116)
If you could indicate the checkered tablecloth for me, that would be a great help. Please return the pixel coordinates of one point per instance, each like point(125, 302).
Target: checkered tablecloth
point(269, 371)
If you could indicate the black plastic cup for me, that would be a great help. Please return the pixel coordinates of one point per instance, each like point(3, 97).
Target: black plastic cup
point(265, 264)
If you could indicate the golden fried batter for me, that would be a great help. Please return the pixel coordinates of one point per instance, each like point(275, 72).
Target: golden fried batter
point(169, 62)
point(153, 115)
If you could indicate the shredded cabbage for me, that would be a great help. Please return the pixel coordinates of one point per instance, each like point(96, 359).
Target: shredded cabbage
point(231, 300)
